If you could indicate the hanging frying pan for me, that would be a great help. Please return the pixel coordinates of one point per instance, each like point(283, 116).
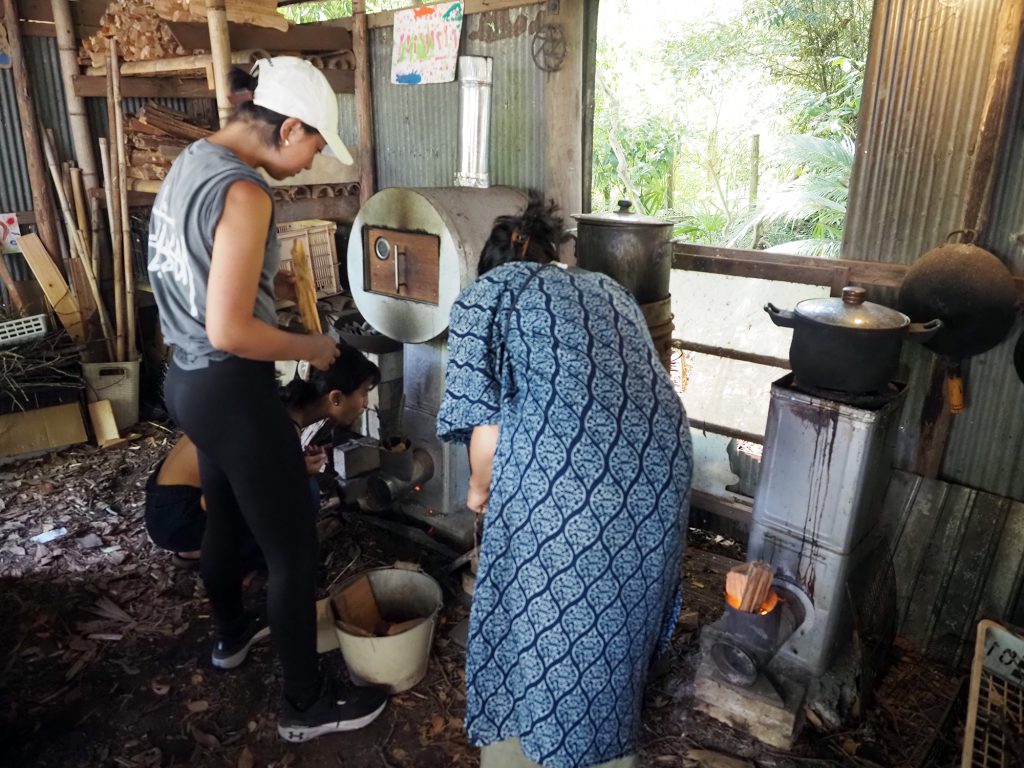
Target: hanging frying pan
point(971, 291)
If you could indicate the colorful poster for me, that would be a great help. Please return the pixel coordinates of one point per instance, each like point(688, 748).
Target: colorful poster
point(9, 231)
point(426, 44)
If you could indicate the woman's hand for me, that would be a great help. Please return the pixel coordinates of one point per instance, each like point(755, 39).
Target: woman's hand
point(316, 459)
point(477, 499)
point(323, 350)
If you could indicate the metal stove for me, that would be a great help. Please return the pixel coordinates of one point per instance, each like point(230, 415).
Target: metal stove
point(826, 462)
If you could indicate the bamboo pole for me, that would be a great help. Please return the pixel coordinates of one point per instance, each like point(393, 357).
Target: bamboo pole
point(76, 242)
point(114, 216)
point(220, 50)
point(81, 137)
point(42, 204)
point(126, 228)
point(364, 100)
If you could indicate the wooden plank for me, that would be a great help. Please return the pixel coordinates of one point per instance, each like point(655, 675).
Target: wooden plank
point(318, 37)
point(42, 203)
point(13, 289)
point(95, 86)
point(104, 427)
point(364, 103)
point(563, 114)
point(761, 270)
point(82, 11)
point(53, 284)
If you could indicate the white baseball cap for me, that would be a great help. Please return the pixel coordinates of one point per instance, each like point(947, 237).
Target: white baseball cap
point(292, 86)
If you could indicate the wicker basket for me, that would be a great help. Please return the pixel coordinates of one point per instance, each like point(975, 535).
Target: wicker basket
point(318, 238)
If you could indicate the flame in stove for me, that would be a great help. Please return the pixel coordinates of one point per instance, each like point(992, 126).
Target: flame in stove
point(764, 609)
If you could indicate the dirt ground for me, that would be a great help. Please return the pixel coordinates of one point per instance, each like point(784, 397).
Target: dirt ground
point(105, 651)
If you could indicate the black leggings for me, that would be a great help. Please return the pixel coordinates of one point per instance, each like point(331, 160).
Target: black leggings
point(254, 478)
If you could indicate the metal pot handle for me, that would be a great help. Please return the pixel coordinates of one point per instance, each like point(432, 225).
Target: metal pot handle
point(783, 318)
point(922, 332)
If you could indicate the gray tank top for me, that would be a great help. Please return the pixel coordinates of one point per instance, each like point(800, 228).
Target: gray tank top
point(185, 215)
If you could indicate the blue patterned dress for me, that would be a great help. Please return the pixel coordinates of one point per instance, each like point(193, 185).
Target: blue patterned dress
point(578, 582)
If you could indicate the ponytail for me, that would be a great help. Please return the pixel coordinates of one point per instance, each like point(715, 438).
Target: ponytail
point(531, 236)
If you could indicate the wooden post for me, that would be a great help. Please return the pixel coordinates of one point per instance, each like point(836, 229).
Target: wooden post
point(993, 127)
point(114, 211)
point(126, 227)
point(220, 50)
point(563, 114)
point(46, 215)
point(936, 413)
point(364, 100)
point(755, 181)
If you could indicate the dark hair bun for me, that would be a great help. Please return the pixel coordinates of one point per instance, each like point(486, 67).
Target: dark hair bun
point(240, 80)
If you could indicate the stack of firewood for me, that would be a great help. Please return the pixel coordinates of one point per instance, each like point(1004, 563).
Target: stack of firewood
point(140, 31)
point(155, 136)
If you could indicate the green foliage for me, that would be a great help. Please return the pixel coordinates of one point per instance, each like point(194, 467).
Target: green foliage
point(677, 141)
point(326, 10)
point(812, 205)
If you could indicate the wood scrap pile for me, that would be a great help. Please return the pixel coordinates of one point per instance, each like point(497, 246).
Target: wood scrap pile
point(155, 136)
point(39, 365)
point(140, 31)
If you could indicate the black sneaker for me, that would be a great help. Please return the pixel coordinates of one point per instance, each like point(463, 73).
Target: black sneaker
point(230, 651)
point(338, 709)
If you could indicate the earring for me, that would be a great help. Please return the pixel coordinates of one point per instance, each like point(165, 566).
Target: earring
point(287, 143)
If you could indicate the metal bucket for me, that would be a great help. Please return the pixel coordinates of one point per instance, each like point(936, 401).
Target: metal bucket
point(659, 322)
point(397, 661)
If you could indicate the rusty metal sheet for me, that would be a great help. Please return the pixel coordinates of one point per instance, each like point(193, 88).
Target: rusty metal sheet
point(415, 127)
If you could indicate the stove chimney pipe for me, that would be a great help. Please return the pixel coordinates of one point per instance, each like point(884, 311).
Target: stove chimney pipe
point(474, 121)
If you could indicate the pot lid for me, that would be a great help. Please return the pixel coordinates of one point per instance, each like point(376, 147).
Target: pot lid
point(852, 311)
point(623, 216)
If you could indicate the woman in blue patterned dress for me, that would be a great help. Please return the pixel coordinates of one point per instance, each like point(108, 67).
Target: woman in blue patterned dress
point(581, 457)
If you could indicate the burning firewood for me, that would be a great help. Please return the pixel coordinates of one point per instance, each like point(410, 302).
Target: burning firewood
point(748, 587)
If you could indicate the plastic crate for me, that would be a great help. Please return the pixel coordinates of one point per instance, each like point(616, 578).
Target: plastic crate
point(317, 236)
point(23, 329)
point(118, 383)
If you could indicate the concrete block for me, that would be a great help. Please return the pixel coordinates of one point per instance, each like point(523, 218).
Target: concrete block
point(759, 711)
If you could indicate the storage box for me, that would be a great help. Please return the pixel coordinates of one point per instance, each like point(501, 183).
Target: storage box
point(22, 329)
point(118, 383)
point(317, 236)
point(31, 432)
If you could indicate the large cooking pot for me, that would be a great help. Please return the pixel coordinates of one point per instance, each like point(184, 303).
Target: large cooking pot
point(847, 344)
point(631, 248)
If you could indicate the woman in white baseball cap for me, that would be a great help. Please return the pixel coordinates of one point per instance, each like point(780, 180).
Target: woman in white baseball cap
point(213, 264)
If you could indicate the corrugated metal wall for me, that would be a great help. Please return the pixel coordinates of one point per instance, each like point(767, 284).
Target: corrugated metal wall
point(924, 88)
point(416, 127)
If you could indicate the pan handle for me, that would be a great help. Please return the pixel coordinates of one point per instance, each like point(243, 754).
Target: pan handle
point(783, 318)
point(922, 332)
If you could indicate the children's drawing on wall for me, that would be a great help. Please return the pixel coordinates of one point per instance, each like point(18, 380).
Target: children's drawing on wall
point(426, 44)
